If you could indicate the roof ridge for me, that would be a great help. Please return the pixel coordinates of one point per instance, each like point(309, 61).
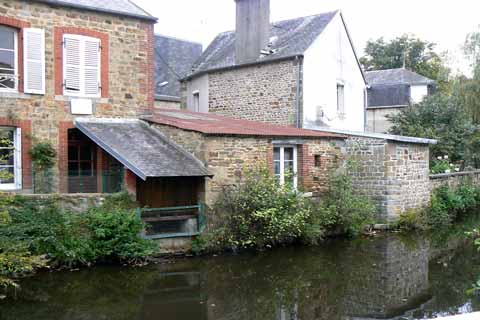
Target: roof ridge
point(177, 38)
point(140, 8)
point(272, 23)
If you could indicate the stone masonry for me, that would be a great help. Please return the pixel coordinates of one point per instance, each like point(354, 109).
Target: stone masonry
point(127, 67)
point(394, 174)
point(265, 92)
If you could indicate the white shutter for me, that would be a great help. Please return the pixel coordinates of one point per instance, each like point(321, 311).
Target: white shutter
point(34, 60)
point(92, 66)
point(71, 64)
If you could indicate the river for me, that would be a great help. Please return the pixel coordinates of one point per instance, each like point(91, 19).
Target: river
point(391, 276)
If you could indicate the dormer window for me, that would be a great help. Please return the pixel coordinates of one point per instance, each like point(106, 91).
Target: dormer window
point(81, 66)
point(8, 59)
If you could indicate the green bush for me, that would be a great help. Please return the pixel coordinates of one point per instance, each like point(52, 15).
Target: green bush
point(341, 208)
point(260, 212)
point(36, 234)
point(450, 204)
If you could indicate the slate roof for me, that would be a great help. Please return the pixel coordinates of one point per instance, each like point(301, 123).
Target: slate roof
point(214, 124)
point(391, 87)
point(396, 76)
point(140, 148)
point(118, 7)
point(288, 38)
point(396, 95)
point(173, 61)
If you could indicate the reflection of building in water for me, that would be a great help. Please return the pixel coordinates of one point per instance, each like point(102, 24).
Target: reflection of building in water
point(176, 295)
point(287, 313)
point(379, 279)
point(396, 280)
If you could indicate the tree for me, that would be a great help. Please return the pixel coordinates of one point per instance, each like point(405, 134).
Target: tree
point(413, 53)
point(471, 49)
point(444, 118)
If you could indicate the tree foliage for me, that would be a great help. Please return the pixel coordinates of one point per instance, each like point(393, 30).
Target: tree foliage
point(417, 55)
point(441, 117)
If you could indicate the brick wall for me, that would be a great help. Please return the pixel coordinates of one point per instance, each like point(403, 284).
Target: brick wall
point(127, 68)
point(265, 92)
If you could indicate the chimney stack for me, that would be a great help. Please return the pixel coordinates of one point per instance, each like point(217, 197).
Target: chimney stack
point(252, 29)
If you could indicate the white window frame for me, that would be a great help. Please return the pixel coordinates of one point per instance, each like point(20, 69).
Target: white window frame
point(196, 100)
point(282, 164)
point(341, 108)
point(81, 92)
point(15, 52)
point(17, 160)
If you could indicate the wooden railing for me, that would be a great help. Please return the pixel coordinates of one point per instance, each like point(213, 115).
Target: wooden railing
point(173, 222)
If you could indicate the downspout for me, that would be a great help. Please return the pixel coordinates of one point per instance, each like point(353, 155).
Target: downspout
point(297, 98)
point(365, 105)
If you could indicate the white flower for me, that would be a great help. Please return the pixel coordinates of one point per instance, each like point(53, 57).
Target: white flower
point(451, 164)
point(439, 158)
point(448, 171)
point(457, 169)
point(445, 157)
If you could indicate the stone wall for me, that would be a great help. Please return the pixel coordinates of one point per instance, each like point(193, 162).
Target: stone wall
point(127, 75)
point(392, 173)
point(78, 203)
point(265, 92)
point(454, 179)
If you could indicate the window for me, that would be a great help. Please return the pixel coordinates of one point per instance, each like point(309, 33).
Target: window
point(8, 59)
point(285, 164)
point(340, 98)
point(81, 66)
point(10, 158)
point(318, 161)
point(196, 101)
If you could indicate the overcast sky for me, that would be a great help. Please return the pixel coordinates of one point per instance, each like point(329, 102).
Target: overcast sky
point(445, 22)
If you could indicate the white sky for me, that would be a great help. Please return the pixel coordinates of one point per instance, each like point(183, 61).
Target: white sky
point(445, 22)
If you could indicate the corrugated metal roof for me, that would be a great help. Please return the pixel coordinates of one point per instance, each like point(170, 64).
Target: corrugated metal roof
point(119, 7)
point(140, 148)
point(173, 61)
point(396, 76)
point(287, 39)
point(213, 124)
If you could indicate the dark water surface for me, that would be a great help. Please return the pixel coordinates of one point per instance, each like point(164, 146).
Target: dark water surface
point(384, 277)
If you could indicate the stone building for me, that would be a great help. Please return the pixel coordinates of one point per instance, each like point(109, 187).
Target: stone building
point(302, 72)
point(393, 170)
point(389, 91)
point(78, 74)
point(173, 61)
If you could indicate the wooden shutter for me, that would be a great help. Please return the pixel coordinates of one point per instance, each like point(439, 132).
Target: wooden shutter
point(72, 68)
point(34, 60)
point(92, 66)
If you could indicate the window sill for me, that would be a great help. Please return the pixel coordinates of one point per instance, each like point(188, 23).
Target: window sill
point(70, 98)
point(14, 95)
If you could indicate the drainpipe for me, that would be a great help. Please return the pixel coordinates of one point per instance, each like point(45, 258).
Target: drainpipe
point(297, 98)
point(365, 105)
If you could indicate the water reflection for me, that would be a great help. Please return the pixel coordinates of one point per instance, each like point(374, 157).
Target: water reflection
point(379, 278)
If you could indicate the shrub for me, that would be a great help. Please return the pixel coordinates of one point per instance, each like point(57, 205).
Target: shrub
point(449, 204)
point(340, 208)
point(37, 234)
point(260, 212)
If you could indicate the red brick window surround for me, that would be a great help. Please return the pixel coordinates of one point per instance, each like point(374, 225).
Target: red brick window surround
point(19, 25)
point(58, 45)
point(26, 126)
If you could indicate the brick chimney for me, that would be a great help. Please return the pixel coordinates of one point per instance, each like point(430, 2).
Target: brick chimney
point(252, 29)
